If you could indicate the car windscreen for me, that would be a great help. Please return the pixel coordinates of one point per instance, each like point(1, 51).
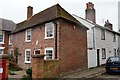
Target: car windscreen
point(114, 59)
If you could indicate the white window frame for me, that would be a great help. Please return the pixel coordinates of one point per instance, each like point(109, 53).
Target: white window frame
point(114, 37)
point(36, 50)
point(103, 53)
point(26, 56)
point(47, 25)
point(2, 48)
point(49, 48)
point(103, 34)
point(3, 37)
point(10, 39)
point(26, 34)
point(11, 51)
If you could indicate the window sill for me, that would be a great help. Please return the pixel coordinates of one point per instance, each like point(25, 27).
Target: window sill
point(28, 41)
point(2, 43)
point(27, 62)
point(48, 37)
point(10, 43)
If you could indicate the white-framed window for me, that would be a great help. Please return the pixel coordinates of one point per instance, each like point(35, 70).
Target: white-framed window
point(2, 33)
point(1, 51)
point(10, 39)
point(11, 51)
point(37, 51)
point(103, 53)
point(49, 30)
point(49, 53)
point(28, 35)
point(102, 34)
point(114, 37)
point(27, 56)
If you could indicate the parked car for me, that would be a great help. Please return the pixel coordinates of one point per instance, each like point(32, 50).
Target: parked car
point(113, 64)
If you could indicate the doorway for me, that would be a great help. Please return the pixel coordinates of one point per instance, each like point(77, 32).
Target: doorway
point(98, 57)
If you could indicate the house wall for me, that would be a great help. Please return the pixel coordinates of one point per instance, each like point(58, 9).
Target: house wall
point(72, 46)
point(5, 44)
point(91, 52)
point(108, 43)
point(6, 41)
point(38, 41)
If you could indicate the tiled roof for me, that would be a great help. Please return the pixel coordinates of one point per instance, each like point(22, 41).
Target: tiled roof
point(97, 25)
point(46, 15)
point(7, 25)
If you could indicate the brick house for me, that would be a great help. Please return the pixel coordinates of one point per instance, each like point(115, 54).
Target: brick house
point(55, 33)
point(6, 26)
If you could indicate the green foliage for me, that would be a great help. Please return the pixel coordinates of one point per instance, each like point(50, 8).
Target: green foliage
point(29, 72)
point(16, 53)
point(26, 77)
point(14, 67)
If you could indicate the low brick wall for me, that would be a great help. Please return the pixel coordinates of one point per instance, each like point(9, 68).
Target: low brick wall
point(44, 68)
point(51, 68)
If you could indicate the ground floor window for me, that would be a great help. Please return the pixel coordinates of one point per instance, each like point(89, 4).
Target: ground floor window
point(1, 51)
point(37, 51)
point(49, 54)
point(103, 53)
point(11, 52)
point(27, 55)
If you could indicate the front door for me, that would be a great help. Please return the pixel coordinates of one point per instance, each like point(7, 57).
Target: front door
point(98, 57)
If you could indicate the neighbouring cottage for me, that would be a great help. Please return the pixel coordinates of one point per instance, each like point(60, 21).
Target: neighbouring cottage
point(6, 26)
point(54, 33)
point(102, 40)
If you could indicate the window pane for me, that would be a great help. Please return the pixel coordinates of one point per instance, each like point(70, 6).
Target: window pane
point(1, 51)
point(103, 54)
point(49, 54)
point(102, 34)
point(1, 38)
point(28, 35)
point(28, 56)
point(49, 29)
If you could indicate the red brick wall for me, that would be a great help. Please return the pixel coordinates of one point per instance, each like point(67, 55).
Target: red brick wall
point(38, 34)
point(6, 41)
point(72, 47)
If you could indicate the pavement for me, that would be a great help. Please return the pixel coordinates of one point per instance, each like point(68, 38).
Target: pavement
point(85, 73)
point(17, 75)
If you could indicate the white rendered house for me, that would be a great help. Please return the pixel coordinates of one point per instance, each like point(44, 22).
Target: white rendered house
point(102, 41)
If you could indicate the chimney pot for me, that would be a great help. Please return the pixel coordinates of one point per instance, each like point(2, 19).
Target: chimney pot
point(108, 25)
point(90, 12)
point(29, 12)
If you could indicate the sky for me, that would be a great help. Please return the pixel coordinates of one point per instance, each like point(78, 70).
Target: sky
point(16, 10)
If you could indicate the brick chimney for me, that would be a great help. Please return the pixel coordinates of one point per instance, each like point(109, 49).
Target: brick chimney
point(90, 12)
point(29, 12)
point(108, 25)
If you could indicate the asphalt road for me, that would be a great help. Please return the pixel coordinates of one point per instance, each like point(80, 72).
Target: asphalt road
point(106, 76)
